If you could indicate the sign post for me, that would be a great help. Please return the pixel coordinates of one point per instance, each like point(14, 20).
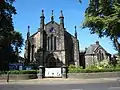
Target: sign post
point(8, 76)
point(64, 71)
point(41, 72)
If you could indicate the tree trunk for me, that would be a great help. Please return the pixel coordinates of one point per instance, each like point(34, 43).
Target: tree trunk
point(116, 44)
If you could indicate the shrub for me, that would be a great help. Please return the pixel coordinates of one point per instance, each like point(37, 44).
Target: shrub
point(94, 70)
point(91, 67)
point(3, 72)
point(102, 65)
point(20, 72)
point(118, 63)
point(71, 66)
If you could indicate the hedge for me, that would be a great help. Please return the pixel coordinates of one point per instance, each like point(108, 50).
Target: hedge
point(78, 70)
point(70, 70)
point(20, 72)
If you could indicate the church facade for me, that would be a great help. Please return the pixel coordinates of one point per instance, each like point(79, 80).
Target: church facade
point(52, 46)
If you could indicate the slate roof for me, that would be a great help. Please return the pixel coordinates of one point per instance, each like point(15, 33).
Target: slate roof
point(70, 34)
point(91, 48)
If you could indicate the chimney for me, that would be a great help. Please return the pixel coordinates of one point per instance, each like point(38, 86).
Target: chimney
point(97, 42)
point(86, 49)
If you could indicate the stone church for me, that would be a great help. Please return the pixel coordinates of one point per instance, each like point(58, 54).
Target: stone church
point(95, 53)
point(52, 46)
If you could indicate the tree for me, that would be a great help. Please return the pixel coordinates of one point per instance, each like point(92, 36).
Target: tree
point(11, 41)
point(80, 1)
point(102, 17)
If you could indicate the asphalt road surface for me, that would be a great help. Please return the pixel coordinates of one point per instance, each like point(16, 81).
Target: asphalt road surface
point(89, 86)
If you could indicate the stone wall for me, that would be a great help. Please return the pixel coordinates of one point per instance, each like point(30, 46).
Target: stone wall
point(70, 75)
point(93, 75)
point(18, 76)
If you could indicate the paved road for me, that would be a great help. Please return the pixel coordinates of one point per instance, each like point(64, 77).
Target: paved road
point(113, 85)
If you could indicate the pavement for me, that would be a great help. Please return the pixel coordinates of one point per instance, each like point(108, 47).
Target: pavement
point(62, 84)
point(59, 81)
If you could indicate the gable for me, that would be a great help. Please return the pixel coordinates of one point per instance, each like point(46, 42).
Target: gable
point(91, 49)
point(100, 48)
point(52, 27)
point(94, 49)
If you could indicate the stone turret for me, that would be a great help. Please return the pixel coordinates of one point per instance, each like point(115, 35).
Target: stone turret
point(42, 20)
point(52, 17)
point(28, 33)
point(42, 30)
point(75, 33)
point(61, 20)
point(27, 56)
point(97, 42)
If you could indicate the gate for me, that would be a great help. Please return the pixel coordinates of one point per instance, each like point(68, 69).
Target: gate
point(53, 72)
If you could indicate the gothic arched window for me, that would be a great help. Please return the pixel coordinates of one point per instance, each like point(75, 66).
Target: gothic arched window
point(51, 45)
point(54, 43)
point(48, 47)
point(100, 56)
point(51, 42)
point(32, 52)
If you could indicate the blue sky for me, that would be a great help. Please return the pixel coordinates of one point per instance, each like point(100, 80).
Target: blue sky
point(29, 11)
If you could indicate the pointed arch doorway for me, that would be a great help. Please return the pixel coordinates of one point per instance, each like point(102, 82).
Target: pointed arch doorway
point(53, 68)
point(51, 63)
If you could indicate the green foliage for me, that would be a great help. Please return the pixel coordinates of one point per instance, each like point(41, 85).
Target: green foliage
point(71, 66)
point(102, 66)
point(93, 70)
point(11, 41)
point(3, 72)
point(118, 62)
point(102, 17)
point(19, 72)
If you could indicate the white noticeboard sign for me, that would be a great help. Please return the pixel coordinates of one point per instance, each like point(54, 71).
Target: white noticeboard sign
point(53, 72)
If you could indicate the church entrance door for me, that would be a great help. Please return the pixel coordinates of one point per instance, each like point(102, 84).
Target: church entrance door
point(52, 70)
point(51, 63)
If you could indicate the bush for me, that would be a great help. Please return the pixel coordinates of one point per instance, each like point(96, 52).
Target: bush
point(94, 70)
point(73, 66)
point(103, 65)
point(20, 72)
point(3, 72)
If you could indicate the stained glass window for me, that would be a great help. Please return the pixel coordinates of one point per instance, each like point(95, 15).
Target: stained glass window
point(52, 29)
